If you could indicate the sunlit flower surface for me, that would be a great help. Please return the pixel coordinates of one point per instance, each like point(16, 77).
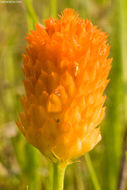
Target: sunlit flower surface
point(66, 66)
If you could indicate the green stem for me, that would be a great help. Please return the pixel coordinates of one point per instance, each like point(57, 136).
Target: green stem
point(54, 8)
point(59, 171)
point(92, 172)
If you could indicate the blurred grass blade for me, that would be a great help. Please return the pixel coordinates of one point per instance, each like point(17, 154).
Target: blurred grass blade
point(113, 129)
point(92, 172)
point(123, 12)
point(31, 15)
point(54, 8)
point(78, 178)
point(29, 160)
point(123, 16)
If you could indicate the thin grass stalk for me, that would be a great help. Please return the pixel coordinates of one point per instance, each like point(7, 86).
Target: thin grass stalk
point(31, 15)
point(92, 172)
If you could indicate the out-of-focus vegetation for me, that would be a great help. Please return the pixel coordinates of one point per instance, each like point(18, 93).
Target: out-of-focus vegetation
point(22, 167)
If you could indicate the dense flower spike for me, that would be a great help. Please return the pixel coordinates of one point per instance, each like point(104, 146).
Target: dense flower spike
point(66, 66)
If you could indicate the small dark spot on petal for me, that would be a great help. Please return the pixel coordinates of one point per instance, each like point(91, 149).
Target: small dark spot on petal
point(57, 120)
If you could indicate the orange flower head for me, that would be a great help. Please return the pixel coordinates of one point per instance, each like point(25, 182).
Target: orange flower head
point(66, 66)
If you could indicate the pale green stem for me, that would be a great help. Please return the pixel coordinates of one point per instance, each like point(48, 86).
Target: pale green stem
point(92, 172)
point(59, 171)
point(54, 8)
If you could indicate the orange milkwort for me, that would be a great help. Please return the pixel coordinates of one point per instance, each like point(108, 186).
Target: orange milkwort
point(66, 66)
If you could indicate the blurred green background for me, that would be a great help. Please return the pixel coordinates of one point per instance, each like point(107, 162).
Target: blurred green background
point(22, 167)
